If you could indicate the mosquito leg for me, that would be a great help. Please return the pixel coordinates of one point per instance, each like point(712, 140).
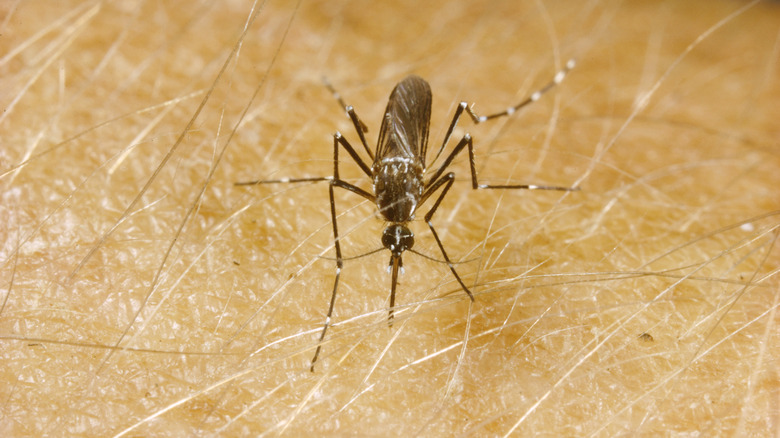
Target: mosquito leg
point(445, 181)
point(477, 119)
point(339, 266)
point(467, 141)
point(475, 185)
point(335, 181)
point(455, 118)
point(557, 79)
point(360, 127)
point(342, 104)
point(283, 181)
point(338, 139)
point(437, 181)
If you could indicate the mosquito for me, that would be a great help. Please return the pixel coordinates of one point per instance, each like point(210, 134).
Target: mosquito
point(401, 180)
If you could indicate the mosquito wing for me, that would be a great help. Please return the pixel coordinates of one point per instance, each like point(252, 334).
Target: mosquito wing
point(404, 131)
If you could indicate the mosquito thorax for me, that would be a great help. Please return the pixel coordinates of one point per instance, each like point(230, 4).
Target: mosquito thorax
point(398, 186)
point(397, 238)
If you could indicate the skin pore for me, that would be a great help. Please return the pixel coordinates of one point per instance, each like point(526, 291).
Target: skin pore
point(143, 293)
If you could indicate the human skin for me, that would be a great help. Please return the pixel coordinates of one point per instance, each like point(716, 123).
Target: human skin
point(144, 293)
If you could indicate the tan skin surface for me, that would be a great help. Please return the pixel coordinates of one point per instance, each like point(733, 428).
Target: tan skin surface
point(143, 293)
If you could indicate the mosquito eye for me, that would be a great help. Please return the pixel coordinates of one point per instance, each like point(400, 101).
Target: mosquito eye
point(388, 240)
point(407, 241)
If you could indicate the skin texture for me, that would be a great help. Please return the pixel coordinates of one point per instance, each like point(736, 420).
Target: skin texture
point(144, 294)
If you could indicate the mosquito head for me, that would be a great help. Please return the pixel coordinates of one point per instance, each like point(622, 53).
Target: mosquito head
point(397, 238)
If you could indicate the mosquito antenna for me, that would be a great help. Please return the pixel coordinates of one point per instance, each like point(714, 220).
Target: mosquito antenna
point(444, 262)
point(359, 256)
